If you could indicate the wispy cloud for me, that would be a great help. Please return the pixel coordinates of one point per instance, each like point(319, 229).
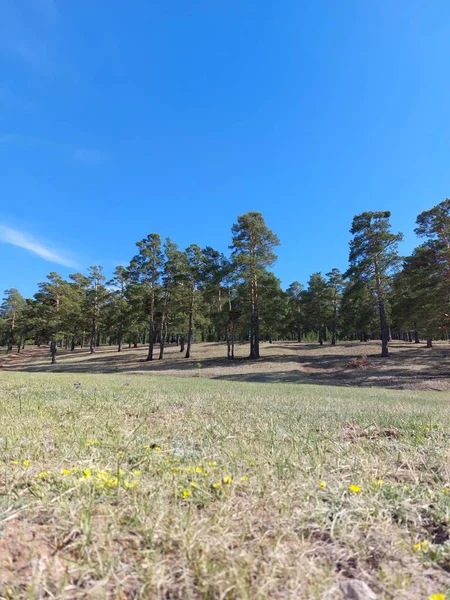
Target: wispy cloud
point(27, 242)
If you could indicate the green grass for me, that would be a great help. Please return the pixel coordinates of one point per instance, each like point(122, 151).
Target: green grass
point(121, 489)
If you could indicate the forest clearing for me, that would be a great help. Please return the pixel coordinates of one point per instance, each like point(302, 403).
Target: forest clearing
point(124, 486)
point(410, 366)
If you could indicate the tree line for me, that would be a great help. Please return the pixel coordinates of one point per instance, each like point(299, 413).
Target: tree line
point(167, 295)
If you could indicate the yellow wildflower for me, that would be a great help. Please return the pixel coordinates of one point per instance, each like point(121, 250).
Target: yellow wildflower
point(121, 472)
point(14, 462)
point(379, 482)
point(26, 463)
point(436, 597)
point(120, 453)
point(198, 469)
point(91, 443)
point(227, 479)
point(186, 493)
point(112, 482)
point(216, 485)
point(190, 469)
point(158, 449)
point(446, 491)
point(66, 471)
point(421, 545)
point(354, 488)
point(244, 478)
point(87, 473)
point(194, 485)
point(322, 484)
point(130, 484)
point(136, 472)
point(43, 474)
point(212, 463)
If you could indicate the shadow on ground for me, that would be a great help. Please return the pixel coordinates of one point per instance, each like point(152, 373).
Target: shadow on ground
point(410, 366)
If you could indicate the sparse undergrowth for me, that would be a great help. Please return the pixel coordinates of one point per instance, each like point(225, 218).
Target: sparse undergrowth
point(139, 487)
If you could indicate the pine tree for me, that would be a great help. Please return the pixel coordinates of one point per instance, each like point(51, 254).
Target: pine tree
point(336, 286)
point(318, 305)
point(97, 295)
point(253, 245)
point(296, 317)
point(118, 303)
point(373, 257)
point(10, 310)
point(146, 267)
point(192, 273)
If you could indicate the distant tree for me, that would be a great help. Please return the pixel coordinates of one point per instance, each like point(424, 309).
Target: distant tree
point(420, 294)
point(173, 265)
point(318, 306)
point(434, 225)
point(336, 287)
point(253, 245)
point(192, 273)
point(273, 307)
point(215, 269)
point(373, 257)
point(10, 311)
point(146, 267)
point(118, 302)
point(97, 295)
point(296, 317)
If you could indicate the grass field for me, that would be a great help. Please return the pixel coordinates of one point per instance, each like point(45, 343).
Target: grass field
point(121, 486)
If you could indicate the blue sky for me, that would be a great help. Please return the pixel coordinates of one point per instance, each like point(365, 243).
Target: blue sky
point(175, 116)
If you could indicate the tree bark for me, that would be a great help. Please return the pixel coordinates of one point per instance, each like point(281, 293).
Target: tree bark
point(385, 333)
point(151, 339)
point(93, 333)
point(191, 321)
point(416, 337)
point(429, 342)
point(320, 340)
point(53, 351)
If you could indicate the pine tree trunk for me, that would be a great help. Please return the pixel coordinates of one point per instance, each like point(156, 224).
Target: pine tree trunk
point(151, 332)
point(385, 332)
point(429, 342)
point(53, 351)
point(182, 344)
point(320, 340)
point(333, 336)
point(93, 334)
point(410, 338)
point(416, 337)
point(191, 321)
point(162, 339)
point(254, 320)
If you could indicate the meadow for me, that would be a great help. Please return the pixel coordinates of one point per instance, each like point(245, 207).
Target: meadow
point(123, 485)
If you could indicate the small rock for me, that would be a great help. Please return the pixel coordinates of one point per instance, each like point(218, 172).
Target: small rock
point(354, 589)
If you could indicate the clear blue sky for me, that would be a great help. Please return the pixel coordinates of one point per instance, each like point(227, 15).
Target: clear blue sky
point(175, 116)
